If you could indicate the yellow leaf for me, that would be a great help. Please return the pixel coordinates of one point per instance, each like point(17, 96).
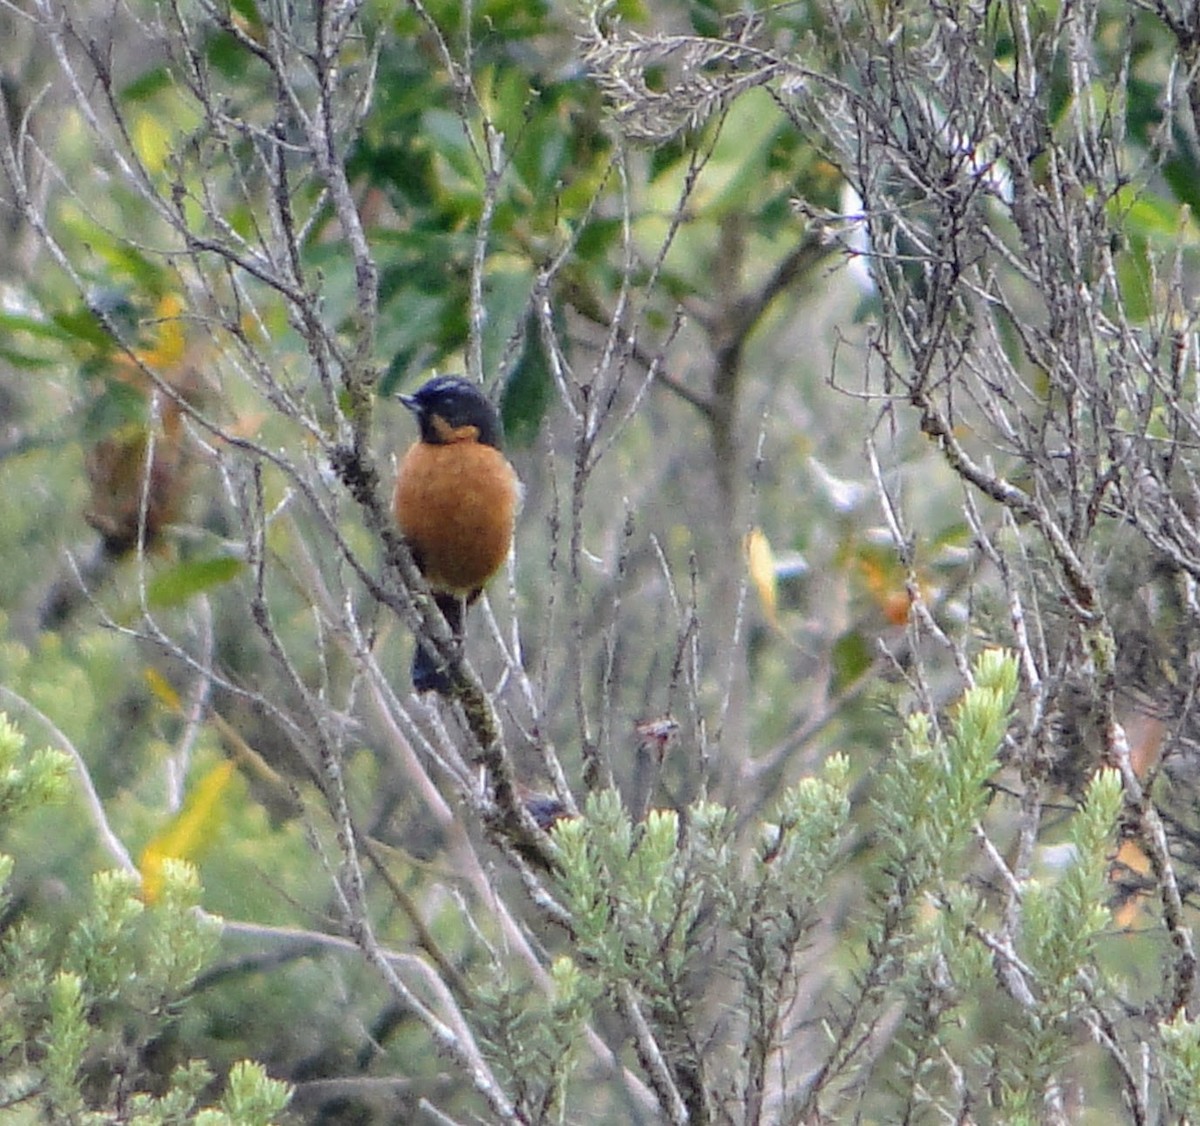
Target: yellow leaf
point(152, 141)
point(166, 342)
point(761, 562)
point(185, 835)
point(161, 690)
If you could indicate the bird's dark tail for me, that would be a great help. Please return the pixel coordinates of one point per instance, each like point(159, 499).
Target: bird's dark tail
point(429, 672)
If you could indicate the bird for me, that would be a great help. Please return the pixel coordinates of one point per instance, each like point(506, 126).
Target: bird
point(455, 503)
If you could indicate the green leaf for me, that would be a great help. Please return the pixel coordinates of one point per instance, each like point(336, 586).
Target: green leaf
point(528, 390)
point(179, 584)
point(247, 9)
point(227, 55)
point(851, 658)
point(120, 405)
point(145, 86)
point(82, 324)
point(24, 361)
point(32, 326)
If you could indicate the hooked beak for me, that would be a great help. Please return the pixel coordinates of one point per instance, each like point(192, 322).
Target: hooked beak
point(410, 401)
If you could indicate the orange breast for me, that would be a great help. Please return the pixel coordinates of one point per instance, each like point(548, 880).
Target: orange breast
point(456, 504)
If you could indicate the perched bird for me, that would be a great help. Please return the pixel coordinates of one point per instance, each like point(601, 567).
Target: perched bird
point(455, 503)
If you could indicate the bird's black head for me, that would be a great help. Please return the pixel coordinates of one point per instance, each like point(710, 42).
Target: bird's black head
point(449, 408)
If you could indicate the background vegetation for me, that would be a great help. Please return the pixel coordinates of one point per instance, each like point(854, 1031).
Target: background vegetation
point(827, 752)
